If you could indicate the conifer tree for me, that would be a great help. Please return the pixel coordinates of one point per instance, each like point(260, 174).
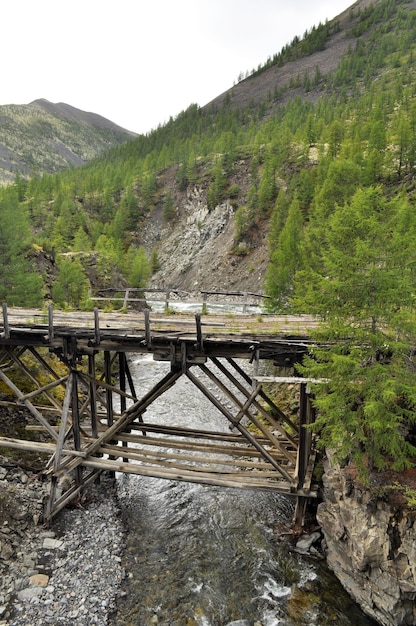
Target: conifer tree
point(364, 288)
point(20, 284)
point(285, 259)
point(71, 286)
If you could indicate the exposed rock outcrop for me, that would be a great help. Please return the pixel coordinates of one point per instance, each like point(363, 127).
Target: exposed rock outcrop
point(371, 547)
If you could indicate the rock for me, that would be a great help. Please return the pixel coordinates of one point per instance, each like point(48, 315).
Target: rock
point(371, 547)
point(52, 544)
point(23, 478)
point(6, 550)
point(46, 579)
point(39, 580)
point(304, 544)
point(29, 593)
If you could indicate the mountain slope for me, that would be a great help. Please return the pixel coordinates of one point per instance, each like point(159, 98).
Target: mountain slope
point(205, 189)
point(264, 83)
point(45, 137)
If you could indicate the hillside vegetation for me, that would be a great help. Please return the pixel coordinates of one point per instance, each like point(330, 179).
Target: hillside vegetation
point(307, 193)
point(45, 137)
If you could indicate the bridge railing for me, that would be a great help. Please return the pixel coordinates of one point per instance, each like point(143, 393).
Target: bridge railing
point(169, 297)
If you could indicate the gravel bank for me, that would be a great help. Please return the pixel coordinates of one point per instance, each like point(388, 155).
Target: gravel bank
point(69, 573)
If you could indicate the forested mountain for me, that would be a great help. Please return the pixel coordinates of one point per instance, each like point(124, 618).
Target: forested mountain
point(46, 137)
point(300, 180)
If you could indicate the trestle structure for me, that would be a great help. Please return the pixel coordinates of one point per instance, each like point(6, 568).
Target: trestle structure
point(89, 416)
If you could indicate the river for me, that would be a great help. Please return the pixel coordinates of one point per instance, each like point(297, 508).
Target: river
point(210, 556)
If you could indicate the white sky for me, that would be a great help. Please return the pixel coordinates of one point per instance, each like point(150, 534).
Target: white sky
point(138, 62)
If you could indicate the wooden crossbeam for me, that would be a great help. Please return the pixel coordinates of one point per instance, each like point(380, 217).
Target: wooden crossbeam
point(251, 400)
point(28, 405)
point(243, 430)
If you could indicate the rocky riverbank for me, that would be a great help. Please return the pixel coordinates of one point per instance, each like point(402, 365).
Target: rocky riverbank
point(68, 573)
point(371, 542)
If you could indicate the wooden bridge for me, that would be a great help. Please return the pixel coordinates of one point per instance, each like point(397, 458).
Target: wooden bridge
point(68, 370)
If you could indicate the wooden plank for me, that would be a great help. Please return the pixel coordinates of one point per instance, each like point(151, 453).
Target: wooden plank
point(38, 446)
point(195, 434)
point(219, 479)
point(243, 450)
point(169, 459)
point(64, 421)
point(290, 380)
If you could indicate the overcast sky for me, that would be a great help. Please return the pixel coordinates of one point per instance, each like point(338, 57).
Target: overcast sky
point(138, 62)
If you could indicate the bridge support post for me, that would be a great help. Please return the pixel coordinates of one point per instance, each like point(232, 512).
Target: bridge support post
point(300, 511)
point(306, 418)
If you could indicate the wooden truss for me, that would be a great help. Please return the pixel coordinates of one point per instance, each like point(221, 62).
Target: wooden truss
point(83, 434)
point(83, 431)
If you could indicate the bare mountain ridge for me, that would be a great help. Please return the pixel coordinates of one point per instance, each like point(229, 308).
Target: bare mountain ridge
point(257, 88)
point(45, 137)
point(68, 112)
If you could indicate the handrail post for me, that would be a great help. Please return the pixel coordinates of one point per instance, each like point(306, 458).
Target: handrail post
point(245, 303)
point(167, 297)
point(6, 329)
point(97, 327)
point(200, 339)
point(50, 322)
point(147, 334)
point(126, 298)
point(204, 303)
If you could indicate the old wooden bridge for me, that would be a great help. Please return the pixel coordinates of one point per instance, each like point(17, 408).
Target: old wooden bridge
point(71, 372)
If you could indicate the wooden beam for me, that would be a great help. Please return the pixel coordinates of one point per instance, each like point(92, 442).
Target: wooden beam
point(29, 374)
point(28, 405)
point(37, 392)
point(239, 426)
point(169, 459)
point(262, 394)
point(275, 424)
point(290, 380)
point(129, 416)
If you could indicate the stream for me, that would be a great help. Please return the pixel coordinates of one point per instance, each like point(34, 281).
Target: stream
point(210, 556)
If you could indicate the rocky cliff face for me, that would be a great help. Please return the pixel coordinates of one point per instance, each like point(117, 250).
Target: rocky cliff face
point(371, 547)
point(199, 248)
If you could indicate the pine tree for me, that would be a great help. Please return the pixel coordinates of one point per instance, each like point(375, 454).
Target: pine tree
point(138, 267)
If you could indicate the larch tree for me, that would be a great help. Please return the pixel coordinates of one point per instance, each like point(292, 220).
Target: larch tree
point(365, 290)
point(20, 284)
point(285, 259)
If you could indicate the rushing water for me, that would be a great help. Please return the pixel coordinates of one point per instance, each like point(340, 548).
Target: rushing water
point(210, 556)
